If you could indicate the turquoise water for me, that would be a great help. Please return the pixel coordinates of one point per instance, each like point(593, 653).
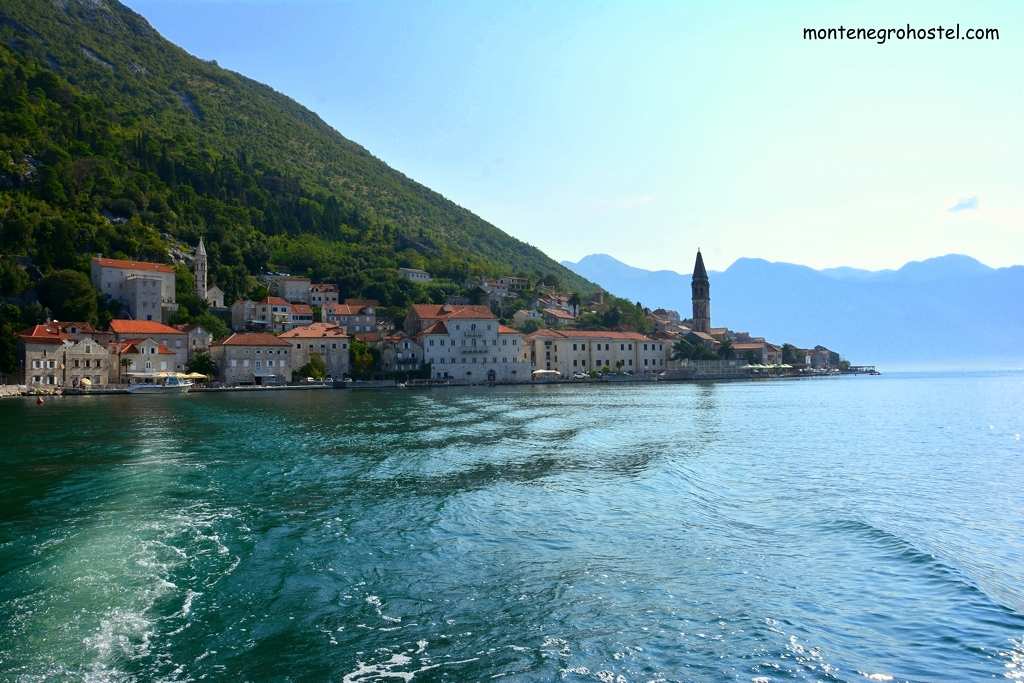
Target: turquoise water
point(841, 529)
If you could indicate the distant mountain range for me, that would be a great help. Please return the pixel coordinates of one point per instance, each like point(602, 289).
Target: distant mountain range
point(950, 310)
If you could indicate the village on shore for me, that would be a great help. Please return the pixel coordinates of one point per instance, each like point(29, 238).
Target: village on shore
point(304, 331)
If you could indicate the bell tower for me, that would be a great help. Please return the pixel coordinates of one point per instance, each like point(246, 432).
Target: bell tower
point(199, 266)
point(700, 288)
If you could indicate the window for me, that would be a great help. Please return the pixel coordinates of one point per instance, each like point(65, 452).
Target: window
point(234, 363)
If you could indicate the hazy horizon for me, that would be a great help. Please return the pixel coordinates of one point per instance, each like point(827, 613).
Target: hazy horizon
point(685, 126)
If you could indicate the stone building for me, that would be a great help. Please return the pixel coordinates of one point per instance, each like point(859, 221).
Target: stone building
point(353, 315)
point(326, 339)
point(322, 294)
point(214, 296)
point(198, 340)
point(252, 358)
point(141, 360)
point(700, 288)
point(174, 339)
point(572, 351)
point(51, 357)
point(400, 353)
point(467, 344)
point(145, 289)
point(291, 288)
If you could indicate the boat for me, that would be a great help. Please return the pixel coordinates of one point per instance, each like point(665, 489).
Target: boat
point(164, 383)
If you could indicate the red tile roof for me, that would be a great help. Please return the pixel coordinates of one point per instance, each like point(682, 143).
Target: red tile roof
point(505, 329)
point(274, 301)
point(368, 336)
point(323, 287)
point(132, 265)
point(131, 346)
point(302, 309)
point(141, 327)
point(590, 334)
point(362, 302)
point(252, 339)
point(42, 334)
point(314, 330)
point(436, 327)
point(451, 312)
point(749, 346)
point(345, 309)
point(558, 313)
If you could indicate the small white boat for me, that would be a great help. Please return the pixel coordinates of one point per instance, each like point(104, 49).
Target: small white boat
point(168, 384)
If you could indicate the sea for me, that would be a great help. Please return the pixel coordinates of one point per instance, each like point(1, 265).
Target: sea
point(830, 529)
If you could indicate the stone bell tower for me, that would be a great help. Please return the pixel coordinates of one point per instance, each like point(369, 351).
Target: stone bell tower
point(199, 266)
point(700, 288)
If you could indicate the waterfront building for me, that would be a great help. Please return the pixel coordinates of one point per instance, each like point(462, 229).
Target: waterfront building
point(326, 339)
point(572, 351)
point(414, 274)
point(291, 287)
point(400, 353)
point(752, 351)
point(322, 294)
point(145, 289)
point(467, 344)
point(142, 360)
point(354, 315)
point(252, 358)
point(174, 339)
point(700, 289)
point(197, 339)
point(48, 356)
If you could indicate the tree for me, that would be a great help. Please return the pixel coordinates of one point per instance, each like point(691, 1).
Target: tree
point(574, 301)
point(726, 350)
point(362, 359)
point(682, 350)
point(790, 354)
point(69, 295)
point(203, 364)
point(315, 368)
point(13, 280)
point(529, 325)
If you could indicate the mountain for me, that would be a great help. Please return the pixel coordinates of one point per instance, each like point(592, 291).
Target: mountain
point(114, 140)
point(951, 310)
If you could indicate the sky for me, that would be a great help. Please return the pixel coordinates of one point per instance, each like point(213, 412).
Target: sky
point(646, 129)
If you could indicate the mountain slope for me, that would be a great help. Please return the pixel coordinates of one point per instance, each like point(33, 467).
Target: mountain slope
point(950, 309)
point(108, 121)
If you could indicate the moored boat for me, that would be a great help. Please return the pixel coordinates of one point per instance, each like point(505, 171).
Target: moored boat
point(170, 383)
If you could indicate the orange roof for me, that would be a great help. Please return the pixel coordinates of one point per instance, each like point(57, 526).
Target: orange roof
point(323, 287)
point(131, 346)
point(436, 327)
point(452, 311)
point(368, 336)
point(591, 334)
point(314, 330)
point(558, 313)
point(274, 301)
point(141, 327)
point(252, 339)
point(362, 302)
point(132, 265)
point(748, 346)
point(345, 309)
point(42, 334)
point(302, 309)
point(505, 329)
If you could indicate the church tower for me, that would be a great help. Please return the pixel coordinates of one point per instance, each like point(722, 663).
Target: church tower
point(700, 288)
point(199, 270)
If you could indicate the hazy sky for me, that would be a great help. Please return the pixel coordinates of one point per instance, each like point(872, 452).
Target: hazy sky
point(646, 129)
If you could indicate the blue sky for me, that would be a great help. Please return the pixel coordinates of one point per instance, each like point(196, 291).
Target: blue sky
point(646, 129)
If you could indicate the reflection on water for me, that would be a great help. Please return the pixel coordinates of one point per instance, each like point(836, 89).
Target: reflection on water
point(852, 529)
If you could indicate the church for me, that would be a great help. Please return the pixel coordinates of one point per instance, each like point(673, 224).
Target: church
point(212, 295)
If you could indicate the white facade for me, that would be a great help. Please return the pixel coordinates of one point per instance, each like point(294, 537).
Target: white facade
point(475, 351)
point(146, 289)
point(574, 351)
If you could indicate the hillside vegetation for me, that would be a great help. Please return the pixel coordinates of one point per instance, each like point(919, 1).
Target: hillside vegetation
point(115, 141)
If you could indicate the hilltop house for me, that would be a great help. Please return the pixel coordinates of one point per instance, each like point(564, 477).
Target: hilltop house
point(145, 289)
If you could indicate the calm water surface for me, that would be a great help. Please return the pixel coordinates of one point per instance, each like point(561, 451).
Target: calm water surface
point(840, 530)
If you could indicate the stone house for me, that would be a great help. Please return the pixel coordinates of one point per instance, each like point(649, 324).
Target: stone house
point(326, 339)
point(252, 358)
point(173, 338)
point(145, 289)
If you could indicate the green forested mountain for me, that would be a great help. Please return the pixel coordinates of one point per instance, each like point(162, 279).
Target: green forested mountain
point(115, 141)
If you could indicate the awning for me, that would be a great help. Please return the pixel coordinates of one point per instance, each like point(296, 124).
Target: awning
point(85, 381)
